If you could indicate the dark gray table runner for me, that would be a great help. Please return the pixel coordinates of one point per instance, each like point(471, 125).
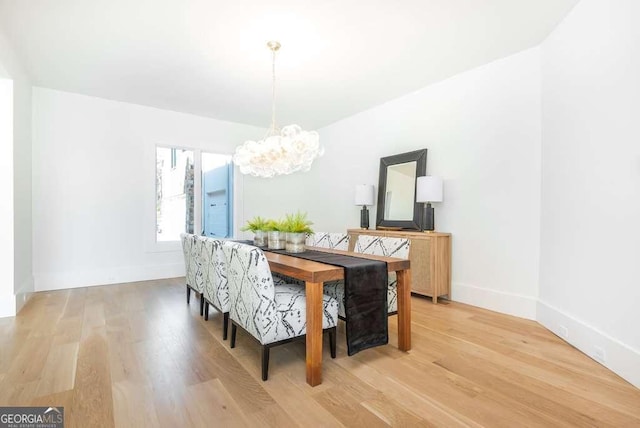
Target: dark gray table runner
point(365, 289)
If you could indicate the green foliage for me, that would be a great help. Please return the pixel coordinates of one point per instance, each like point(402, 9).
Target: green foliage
point(297, 223)
point(257, 223)
point(274, 226)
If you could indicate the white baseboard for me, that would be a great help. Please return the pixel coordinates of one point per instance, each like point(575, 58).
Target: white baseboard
point(24, 293)
point(619, 358)
point(62, 280)
point(499, 301)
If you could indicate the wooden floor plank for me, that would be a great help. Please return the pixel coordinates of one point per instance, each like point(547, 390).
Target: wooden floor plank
point(430, 411)
point(297, 401)
point(348, 408)
point(28, 364)
point(59, 371)
point(210, 403)
point(566, 409)
point(133, 405)
point(92, 403)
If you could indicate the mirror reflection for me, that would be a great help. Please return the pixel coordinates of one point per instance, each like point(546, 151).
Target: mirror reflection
point(400, 191)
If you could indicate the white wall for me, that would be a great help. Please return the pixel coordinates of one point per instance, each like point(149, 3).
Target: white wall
point(7, 300)
point(94, 186)
point(482, 130)
point(17, 289)
point(590, 222)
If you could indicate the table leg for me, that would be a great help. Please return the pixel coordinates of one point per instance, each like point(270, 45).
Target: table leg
point(404, 310)
point(314, 333)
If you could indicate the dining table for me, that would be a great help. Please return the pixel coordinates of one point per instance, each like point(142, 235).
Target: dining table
point(314, 274)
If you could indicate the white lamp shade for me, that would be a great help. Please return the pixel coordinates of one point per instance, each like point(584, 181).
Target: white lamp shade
point(365, 194)
point(429, 189)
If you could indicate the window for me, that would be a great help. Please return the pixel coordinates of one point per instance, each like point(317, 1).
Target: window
point(194, 194)
point(175, 180)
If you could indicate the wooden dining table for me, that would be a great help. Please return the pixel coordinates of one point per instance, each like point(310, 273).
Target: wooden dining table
point(314, 274)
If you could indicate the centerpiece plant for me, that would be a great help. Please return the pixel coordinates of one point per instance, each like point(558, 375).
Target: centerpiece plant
point(276, 234)
point(297, 227)
point(258, 226)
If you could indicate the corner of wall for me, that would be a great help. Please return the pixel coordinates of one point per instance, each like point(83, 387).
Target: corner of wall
point(24, 293)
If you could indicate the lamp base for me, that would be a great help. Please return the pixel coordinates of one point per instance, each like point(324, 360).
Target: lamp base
point(428, 218)
point(364, 217)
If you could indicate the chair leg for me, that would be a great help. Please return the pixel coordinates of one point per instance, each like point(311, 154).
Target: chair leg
point(201, 304)
point(333, 332)
point(188, 294)
point(206, 311)
point(265, 362)
point(225, 325)
point(234, 329)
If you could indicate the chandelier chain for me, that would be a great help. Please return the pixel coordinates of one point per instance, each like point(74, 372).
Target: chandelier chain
point(273, 91)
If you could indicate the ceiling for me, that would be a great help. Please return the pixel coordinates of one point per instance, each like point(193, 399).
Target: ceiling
point(210, 58)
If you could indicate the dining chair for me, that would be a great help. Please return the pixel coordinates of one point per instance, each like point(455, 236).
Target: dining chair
point(272, 314)
point(331, 240)
point(380, 246)
point(216, 287)
point(337, 241)
point(194, 275)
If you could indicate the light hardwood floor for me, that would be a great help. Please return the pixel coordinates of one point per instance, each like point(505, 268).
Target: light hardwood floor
point(137, 355)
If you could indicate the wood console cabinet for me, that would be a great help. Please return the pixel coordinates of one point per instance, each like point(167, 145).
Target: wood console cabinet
point(430, 256)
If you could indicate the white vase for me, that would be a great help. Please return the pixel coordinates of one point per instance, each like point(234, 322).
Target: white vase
point(260, 238)
point(295, 242)
point(277, 240)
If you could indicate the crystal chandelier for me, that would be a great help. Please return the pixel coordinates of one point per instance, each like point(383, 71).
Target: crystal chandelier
point(281, 151)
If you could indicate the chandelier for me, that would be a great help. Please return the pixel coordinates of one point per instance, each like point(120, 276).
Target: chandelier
point(281, 151)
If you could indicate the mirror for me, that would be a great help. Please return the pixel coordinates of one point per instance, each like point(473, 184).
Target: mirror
point(400, 187)
point(397, 207)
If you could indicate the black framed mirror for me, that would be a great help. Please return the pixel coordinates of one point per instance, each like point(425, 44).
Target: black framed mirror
point(397, 206)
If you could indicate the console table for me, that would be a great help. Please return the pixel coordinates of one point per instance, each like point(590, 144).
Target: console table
point(430, 256)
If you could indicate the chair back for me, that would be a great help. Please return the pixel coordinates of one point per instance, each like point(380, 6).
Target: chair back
point(251, 291)
point(195, 265)
point(334, 241)
point(192, 250)
point(216, 287)
point(389, 247)
point(383, 246)
point(186, 240)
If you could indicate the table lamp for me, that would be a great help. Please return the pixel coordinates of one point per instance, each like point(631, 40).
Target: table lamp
point(428, 189)
point(365, 195)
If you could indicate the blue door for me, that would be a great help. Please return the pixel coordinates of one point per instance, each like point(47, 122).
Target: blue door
point(217, 205)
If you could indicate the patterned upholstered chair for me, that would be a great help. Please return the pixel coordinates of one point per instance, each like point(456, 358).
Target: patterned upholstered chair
point(194, 274)
point(272, 314)
point(216, 287)
point(337, 241)
point(381, 246)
